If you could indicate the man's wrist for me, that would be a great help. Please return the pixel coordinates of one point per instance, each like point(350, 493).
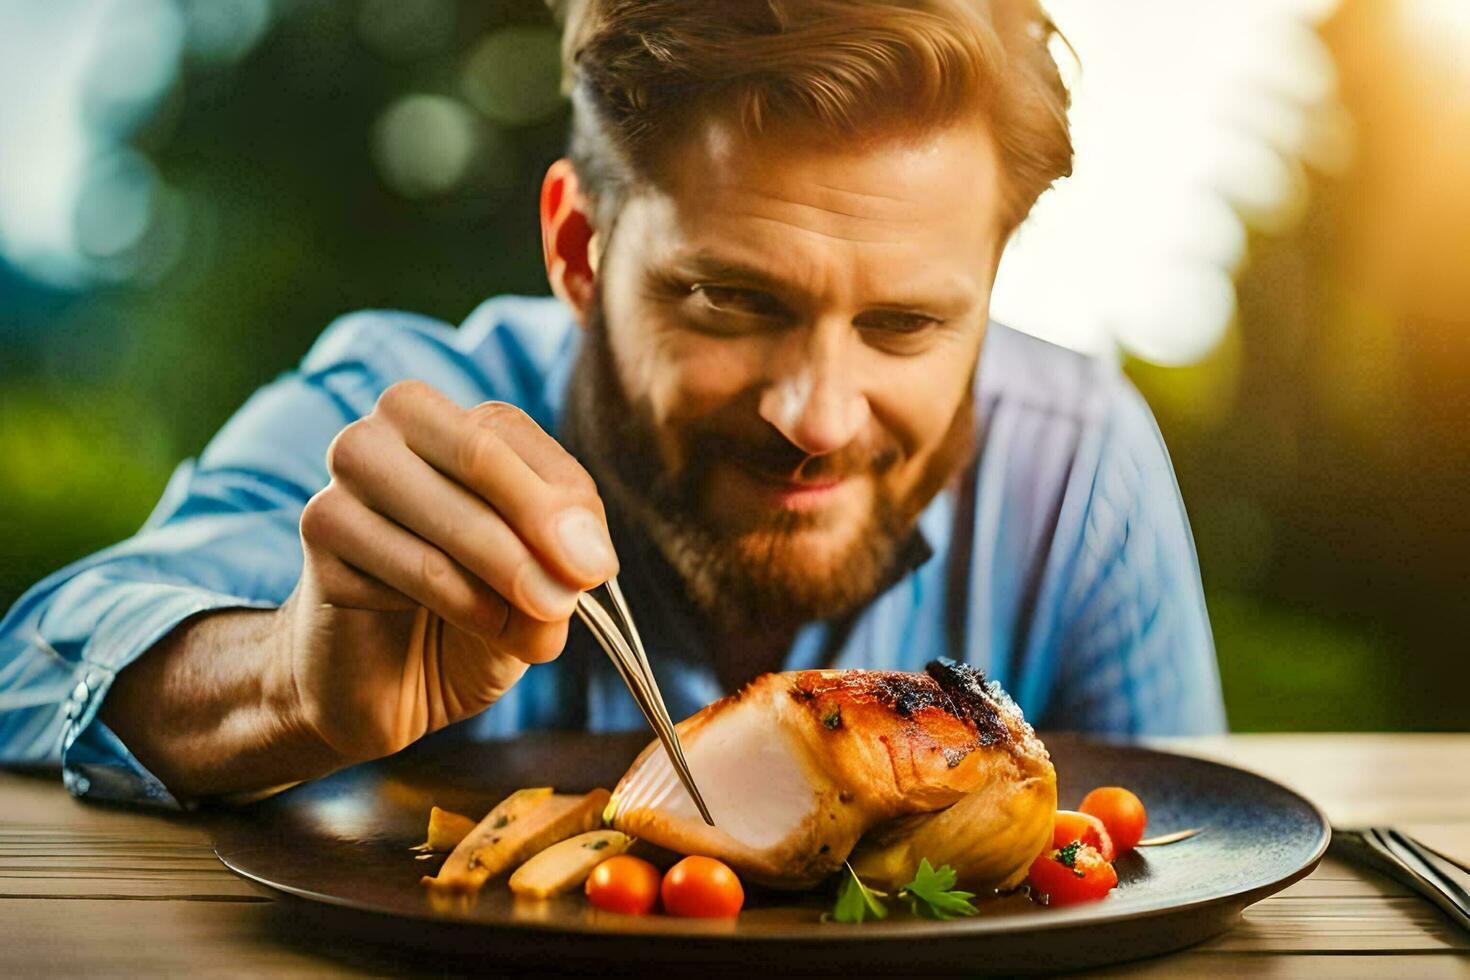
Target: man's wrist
point(283, 702)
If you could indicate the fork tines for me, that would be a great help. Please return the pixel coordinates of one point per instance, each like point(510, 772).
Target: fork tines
point(613, 627)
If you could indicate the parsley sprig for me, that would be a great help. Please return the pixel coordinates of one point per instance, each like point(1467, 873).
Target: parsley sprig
point(931, 895)
point(856, 901)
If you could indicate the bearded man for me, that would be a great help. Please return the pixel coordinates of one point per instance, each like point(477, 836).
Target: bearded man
point(766, 392)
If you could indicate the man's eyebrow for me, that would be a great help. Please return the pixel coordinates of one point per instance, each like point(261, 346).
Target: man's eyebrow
point(711, 267)
point(704, 267)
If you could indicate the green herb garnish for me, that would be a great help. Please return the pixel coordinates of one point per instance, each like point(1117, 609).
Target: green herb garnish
point(932, 893)
point(596, 845)
point(856, 901)
point(1068, 856)
point(834, 720)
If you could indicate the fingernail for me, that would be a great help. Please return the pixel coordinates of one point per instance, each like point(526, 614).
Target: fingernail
point(584, 541)
point(547, 594)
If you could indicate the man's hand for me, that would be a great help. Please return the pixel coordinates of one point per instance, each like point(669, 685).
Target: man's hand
point(477, 516)
point(473, 529)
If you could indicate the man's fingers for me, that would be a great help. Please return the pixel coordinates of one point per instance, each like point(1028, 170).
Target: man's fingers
point(560, 520)
point(337, 523)
point(345, 587)
point(402, 487)
point(476, 673)
point(530, 640)
point(548, 458)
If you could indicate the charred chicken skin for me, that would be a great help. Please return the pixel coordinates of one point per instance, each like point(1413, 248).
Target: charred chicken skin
point(798, 767)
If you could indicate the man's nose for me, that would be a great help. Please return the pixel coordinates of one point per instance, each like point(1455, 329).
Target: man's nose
point(815, 399)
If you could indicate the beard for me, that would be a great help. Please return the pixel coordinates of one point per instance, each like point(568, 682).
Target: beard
point(748, 572)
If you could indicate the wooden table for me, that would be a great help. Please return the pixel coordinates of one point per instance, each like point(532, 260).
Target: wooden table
point(88, 889)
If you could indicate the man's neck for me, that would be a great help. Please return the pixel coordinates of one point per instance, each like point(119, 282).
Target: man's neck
point(739, 657)
point(739, 650)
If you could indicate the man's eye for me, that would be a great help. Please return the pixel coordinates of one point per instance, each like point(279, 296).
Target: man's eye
point(897, 332)
point(898, 324)
point(744, 302)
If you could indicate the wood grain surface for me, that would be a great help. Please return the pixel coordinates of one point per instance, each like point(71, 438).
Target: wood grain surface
point(94, 890)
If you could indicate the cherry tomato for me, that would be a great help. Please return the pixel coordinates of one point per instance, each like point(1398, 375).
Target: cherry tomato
point(1072, 825)
point(1121, 812)
point(624, 884)
point(1071, 875)
point(702, 888)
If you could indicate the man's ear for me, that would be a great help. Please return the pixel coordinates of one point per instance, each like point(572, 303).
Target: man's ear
point(568, 242)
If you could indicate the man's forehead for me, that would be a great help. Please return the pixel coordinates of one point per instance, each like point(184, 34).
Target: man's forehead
point(912, 219)
point(904, 197)
point(888, 187)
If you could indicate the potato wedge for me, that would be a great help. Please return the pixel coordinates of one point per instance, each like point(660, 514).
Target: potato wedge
point(508, 810)
point(516, 829)
point(565, 865)
point(446, 830)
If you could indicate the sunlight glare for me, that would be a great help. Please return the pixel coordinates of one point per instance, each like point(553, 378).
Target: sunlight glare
point(1191, 123)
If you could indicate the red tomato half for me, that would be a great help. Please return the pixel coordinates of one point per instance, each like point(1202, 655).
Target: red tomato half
point(1072, 875)
point(1121, 812)
point(624, 884)
point(702, 888)
point(1072, 826)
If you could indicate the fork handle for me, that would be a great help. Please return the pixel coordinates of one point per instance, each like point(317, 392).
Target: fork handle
point(1361, 847)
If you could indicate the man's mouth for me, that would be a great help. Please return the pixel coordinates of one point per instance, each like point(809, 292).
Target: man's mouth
point(787, 494)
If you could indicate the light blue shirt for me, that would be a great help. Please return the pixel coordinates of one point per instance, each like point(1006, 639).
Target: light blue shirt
point(1060, 563)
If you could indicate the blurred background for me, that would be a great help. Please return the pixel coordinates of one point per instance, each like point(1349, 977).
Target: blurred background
point(1269, 225)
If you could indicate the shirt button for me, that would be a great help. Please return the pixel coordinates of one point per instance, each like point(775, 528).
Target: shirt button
point(92, 678)
point(80, 692)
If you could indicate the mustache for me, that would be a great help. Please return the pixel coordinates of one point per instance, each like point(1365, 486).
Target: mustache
point(772, 456)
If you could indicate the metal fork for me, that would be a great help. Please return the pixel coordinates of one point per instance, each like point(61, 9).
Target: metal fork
point(1403, 858)
point(606, 614)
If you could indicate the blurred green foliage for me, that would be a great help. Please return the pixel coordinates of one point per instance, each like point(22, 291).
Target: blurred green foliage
point(75, 479)
point(1287, 670)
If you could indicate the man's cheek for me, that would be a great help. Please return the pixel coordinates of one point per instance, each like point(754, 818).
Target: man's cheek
point(923, 423)
point(698, 379)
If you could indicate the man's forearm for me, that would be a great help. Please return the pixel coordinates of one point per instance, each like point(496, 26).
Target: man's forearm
point(208, 711)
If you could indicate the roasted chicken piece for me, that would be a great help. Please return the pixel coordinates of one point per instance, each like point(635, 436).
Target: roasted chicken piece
point(797, 767)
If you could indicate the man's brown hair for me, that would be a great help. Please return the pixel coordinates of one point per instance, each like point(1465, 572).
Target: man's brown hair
point(639, 71)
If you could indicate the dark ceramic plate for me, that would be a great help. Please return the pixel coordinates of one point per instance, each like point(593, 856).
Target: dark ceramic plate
point(342, 845)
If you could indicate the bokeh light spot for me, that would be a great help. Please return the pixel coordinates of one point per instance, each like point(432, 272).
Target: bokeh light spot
point(424, 144)
point(115, 205)
point(77, 78)
point(514, 75)
point(224, 31)
point(134, 64)
point(1442, 28)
